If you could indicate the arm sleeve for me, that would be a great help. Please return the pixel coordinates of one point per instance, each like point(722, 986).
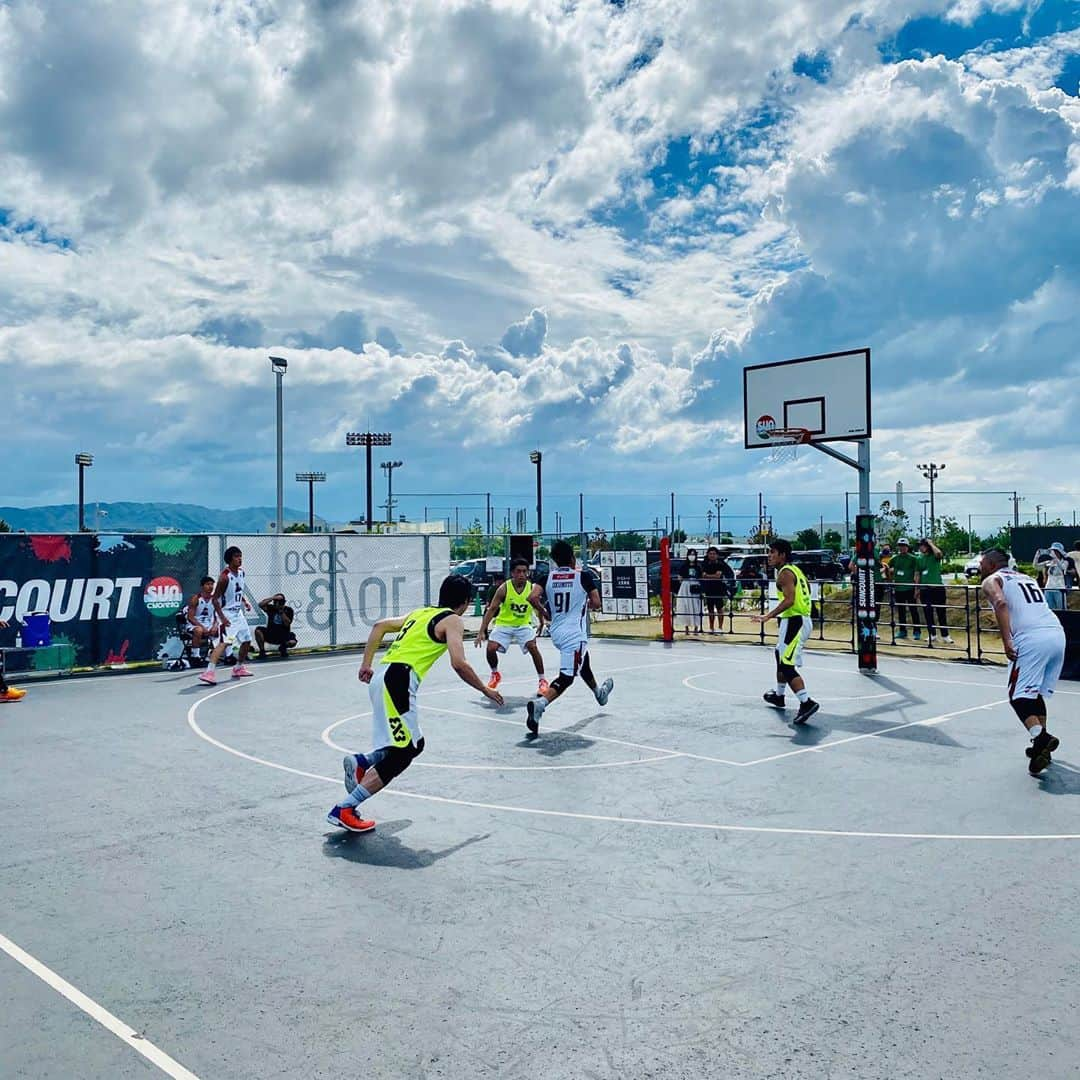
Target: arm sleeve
point(589, 580)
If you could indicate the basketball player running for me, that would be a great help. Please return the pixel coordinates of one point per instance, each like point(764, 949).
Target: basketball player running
point(570, 595)
point(230, 604)
point(422, 637)
point(511, 607)
point(792, 612)
point(201, 616)
point(1033, 640)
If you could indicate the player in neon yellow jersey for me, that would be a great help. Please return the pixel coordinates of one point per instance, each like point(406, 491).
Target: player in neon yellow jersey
point(422, 637)
point(792, 611)
point(512, 607)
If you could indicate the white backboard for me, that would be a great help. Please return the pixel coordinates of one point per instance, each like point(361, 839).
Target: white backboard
point(829, 395)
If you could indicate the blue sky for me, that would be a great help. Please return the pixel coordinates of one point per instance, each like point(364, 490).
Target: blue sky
point(489, 227)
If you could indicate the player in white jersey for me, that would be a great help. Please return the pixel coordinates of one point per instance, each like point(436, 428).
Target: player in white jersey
point(570, 595)
point(230, 604)
point(1034, 641)
point(201, 616)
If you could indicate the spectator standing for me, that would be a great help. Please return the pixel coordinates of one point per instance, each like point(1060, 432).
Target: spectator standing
point(1074, 558)
point(932, 591)
point(902, 568)
point(688, 605)
point(715, 577)
point(1055, 565)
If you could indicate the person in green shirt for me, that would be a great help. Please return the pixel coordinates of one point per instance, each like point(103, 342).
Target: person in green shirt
point(932, 591)
point(422, 637)
point(902, 568)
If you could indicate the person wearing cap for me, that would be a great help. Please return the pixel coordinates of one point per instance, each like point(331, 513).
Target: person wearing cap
point(1054, 564)
point(902, 568)
point(932, 591)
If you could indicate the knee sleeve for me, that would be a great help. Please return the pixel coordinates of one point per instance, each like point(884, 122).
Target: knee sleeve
point(392, 761)
point(1026, 708)
point(562, 682)
point(787, 672)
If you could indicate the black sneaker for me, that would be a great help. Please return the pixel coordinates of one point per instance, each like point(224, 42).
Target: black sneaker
point(1039, 752)
point(774, 699)
point(806, 710)
point(535, 708)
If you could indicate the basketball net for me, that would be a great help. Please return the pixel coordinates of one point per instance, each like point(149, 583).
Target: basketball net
point(785, 443)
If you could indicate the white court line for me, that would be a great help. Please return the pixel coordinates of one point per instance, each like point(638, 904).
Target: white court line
point(608, 818)
point(137, 1042)
point(930, 722)
point(688, 682)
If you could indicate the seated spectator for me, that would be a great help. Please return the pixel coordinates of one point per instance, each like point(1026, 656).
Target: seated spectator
point(278, 628)
point(201, 617)
point(8, 693)
point(1055, 565)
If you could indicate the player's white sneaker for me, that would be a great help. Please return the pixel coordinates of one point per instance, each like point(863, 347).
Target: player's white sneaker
point(603, 691)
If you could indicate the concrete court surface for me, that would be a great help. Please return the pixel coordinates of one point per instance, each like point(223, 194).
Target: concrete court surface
point(679, 885)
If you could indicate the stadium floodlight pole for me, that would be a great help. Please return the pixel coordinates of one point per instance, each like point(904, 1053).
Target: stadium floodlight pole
point(390, 466)
point(368, 439)
point(311, 479)
point(278, 364)
point(932, 471)
point(720, 504)
point(537, 459)
point(84, 461)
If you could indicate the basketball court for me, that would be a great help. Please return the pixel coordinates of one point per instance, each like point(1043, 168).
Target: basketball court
point(681, 884)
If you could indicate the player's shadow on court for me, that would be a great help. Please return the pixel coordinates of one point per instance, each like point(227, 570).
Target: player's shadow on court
point(1061, 778)
point(559, 741)
point(383, 848)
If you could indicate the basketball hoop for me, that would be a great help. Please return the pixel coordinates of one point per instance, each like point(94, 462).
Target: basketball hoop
point(785, 443)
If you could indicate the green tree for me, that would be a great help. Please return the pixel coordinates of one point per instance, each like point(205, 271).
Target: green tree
point(1000, 539)
point(807, 539)
point(4, 526)
point(891, 523)
point(678, 536)
point(951, 538)
point(632, 541)
point(832, 539)
point(296, 527)
point(472, 544)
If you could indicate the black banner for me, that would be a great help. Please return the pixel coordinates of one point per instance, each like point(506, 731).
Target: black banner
point(111, 599)
point(866, 613)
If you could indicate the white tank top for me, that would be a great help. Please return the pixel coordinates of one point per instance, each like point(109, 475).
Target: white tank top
point(204, 611)
point(1028, 610)
point(568, 602)
point(233, 600)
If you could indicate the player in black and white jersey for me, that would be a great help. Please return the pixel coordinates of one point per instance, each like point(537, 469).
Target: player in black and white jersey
point(1034, 641)
point(231, 605)
point(571, 594)
point(201, 616)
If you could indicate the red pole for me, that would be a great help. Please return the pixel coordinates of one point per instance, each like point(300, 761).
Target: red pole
point(667, 624)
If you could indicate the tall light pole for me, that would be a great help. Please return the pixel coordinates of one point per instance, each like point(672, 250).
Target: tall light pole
point(390, 466)
point(932, 471)
point(368, 439)
point(537, 459)
point(720, 504)
point(84, 461)
point(278, 364)
point(311, 479)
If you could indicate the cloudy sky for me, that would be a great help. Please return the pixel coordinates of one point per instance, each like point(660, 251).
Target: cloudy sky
point(564, 224)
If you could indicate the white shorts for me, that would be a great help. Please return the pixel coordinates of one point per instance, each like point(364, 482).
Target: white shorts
point(505, 636)
point(790, 638)
point(237, 632)
point(572, 655)
point(1037, 667)
point(395, 719)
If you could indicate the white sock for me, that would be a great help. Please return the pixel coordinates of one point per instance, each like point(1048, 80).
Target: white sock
point(780, 688)
point(211, 668)
point(1035, 731)
point(803, 695)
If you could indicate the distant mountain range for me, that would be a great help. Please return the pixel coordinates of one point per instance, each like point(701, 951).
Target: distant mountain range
point(130, 517)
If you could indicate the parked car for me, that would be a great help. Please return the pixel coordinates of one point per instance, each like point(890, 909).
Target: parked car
point(477, 572)
point(678, 568)
point(753, 572)
point(820, 564)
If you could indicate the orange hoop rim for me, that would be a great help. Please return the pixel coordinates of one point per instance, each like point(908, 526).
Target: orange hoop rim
point(792, 436)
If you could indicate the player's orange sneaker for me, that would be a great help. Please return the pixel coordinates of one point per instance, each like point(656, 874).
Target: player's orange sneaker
point(496, 678)
point(542, 685)
point(12, 694)
point(345, 817)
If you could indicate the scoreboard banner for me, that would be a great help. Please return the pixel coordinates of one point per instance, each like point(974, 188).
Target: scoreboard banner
point(624, 582)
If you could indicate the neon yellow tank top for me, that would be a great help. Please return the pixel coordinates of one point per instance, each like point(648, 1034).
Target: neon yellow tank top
point(414, 644)
point(801, 606)
point(515, 610)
